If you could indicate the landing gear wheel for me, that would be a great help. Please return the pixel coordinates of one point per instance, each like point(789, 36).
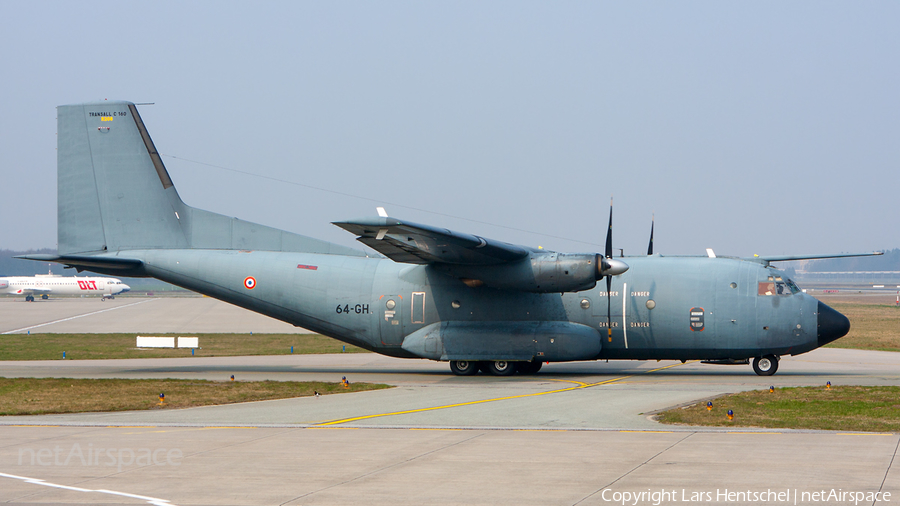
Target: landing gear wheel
point(463, 367)
point(765, 366)
point(530, 367)
point(29, 298)
point(501, 368)
point(45, 296)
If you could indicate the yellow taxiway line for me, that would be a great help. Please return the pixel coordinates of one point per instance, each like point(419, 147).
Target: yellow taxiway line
point(579, 385)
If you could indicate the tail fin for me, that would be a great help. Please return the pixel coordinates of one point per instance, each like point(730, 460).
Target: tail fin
point(113, 190)
point(115, 194)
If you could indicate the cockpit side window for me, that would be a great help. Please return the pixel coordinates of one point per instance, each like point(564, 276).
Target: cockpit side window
point(767, 287)
point(780, 287)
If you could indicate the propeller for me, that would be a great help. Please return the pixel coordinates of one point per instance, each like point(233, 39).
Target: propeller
point(652, 222)
point(609, 268)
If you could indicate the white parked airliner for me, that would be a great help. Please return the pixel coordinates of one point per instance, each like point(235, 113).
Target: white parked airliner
point(54, 284)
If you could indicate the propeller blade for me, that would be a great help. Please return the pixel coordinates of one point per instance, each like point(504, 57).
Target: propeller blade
point(652, 222)
point(607, 268)
point(609, 248)
point(608, 309)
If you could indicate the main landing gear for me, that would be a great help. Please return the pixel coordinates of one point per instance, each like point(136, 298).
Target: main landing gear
point(494, 368)
point(29, 298)
point(765, 366)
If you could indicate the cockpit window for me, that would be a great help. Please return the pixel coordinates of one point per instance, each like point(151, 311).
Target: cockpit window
point(793, 286)
point(780, 287)
point(766, 288)
point(776, 285)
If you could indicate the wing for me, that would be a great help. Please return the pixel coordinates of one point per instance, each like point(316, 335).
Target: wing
point(34, 290)
point(412, 243)
point(787, 258)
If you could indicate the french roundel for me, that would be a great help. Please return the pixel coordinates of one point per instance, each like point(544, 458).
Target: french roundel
point(249, 282)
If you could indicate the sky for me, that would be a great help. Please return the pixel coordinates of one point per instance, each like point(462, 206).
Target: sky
point(746, 127)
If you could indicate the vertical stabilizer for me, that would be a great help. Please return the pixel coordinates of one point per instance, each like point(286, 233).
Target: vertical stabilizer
point(114, 192)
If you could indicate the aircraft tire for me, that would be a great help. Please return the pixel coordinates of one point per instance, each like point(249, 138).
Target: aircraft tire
point(29, 298)
point(463, 367)
point(501, 368)
point(529, 367)
point(765, 366)
point(45, 296)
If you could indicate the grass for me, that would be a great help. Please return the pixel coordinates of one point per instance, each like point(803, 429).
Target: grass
point(844, 408)
point(40, 396)
point(101, 346)
point(872, 326)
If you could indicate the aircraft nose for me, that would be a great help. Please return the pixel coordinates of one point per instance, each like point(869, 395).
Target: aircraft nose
point(832, 325)
point(126, 288)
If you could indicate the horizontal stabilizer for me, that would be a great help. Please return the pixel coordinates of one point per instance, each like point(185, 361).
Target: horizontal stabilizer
point(88, 261)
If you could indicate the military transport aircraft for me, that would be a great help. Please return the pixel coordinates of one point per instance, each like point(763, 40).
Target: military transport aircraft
point(442, 295)
point(49, 284)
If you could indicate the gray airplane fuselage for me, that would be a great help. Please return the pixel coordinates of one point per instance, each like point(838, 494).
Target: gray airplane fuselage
point(347, 298)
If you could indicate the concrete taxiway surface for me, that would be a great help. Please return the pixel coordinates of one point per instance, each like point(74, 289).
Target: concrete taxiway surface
point(573, 434)
point(576, 395)
point(134, 314)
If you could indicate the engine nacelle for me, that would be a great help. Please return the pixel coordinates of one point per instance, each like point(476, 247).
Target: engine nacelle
point(541, 273)
point(562, 272)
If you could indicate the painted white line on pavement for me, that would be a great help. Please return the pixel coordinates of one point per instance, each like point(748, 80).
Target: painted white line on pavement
point(79, 316)
point(35, 481)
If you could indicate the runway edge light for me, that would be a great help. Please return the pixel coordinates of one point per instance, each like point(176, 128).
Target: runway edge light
point(730, 415)
point(709, 405)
